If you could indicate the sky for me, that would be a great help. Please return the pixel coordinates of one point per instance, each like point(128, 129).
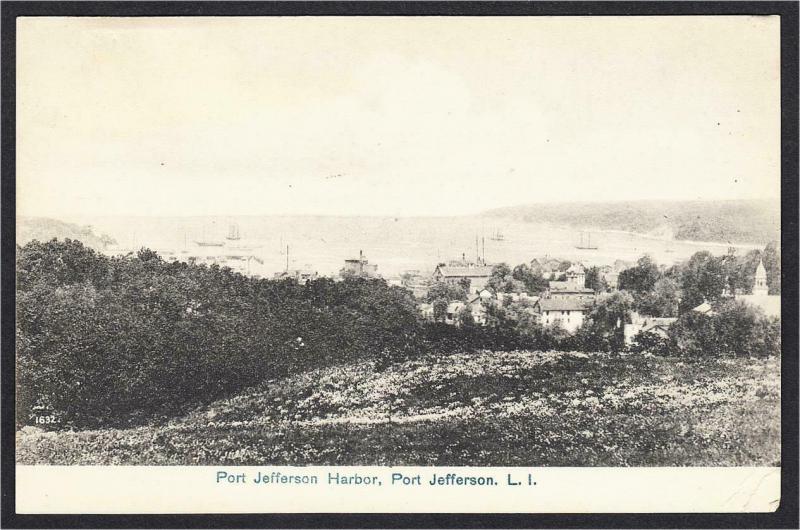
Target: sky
point(391, 115)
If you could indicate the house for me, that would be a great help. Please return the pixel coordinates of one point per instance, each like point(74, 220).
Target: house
point(395, 281)
point(478, 303)
point(359, 267)
point(568, 290)
point(301, 276)
point(474, 276)
point(704, 309)
point(453, 309)
point(569, 313)
point(641, 324)
point(478, 309)
point(242, 263)
point(576, 275)
point(549, 268)
point(426, 312)
point(515, 297)
point(483, 296)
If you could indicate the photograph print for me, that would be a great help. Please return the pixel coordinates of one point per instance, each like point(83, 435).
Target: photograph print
point(398, 241)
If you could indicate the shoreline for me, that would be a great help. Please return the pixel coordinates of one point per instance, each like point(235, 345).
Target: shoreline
point(681, 241)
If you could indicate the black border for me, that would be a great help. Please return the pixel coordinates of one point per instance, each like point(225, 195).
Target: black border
point(785, 517)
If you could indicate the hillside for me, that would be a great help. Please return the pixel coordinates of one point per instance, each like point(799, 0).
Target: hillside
point(45, 229)
point(489, 408)
point(756, 221)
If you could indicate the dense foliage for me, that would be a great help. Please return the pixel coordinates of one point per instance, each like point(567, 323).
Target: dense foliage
point(702, 278)
point(120, 340)
point(44, 229)
point(734, 329)
point(104, 341)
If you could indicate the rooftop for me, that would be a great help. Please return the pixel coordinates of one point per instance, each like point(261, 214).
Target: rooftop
point(576, 268)
point(771, 304)
point(568, 287)
point(563, 304)
point(480, 271)
point(662, 322)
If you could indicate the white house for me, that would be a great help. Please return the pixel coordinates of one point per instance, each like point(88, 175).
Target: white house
point(569, 313)
point(576, 275)
point(426, 311)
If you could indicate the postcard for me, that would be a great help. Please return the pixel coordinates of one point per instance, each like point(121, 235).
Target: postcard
point(398, 264)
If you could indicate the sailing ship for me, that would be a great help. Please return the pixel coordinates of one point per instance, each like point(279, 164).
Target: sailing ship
point(235, 235)
point(497, 235)
point(587, 243)
point(203, 242)
point(233, 232)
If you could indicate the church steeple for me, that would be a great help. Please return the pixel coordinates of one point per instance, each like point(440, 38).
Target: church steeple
point(760, 287)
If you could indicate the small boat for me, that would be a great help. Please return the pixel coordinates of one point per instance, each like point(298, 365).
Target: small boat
point(233, 233)
point(586, 245)
point(203, 242)
point(497, 235)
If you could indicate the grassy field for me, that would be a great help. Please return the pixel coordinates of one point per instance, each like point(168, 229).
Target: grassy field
point(491, 408)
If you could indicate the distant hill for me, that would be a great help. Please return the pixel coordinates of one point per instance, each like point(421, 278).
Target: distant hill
point(756, 221)
point(45, 229)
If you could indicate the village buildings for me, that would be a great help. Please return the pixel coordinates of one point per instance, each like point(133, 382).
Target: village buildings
point(569, 290)
point(359, 267)
point(473, 277)
point(301, 276)
point(574, 287)
point(565, 303)
point(760, 297)
point(549, 268)
point(243, 263)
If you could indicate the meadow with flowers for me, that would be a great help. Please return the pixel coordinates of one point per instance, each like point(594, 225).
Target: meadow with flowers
point(502, 408)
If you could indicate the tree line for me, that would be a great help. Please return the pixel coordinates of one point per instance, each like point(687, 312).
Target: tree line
point(121, 340)
point(118, 341)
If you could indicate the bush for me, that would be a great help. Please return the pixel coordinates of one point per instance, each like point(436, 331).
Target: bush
point(734, 329)
point(118, 341)
point(650, 342)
